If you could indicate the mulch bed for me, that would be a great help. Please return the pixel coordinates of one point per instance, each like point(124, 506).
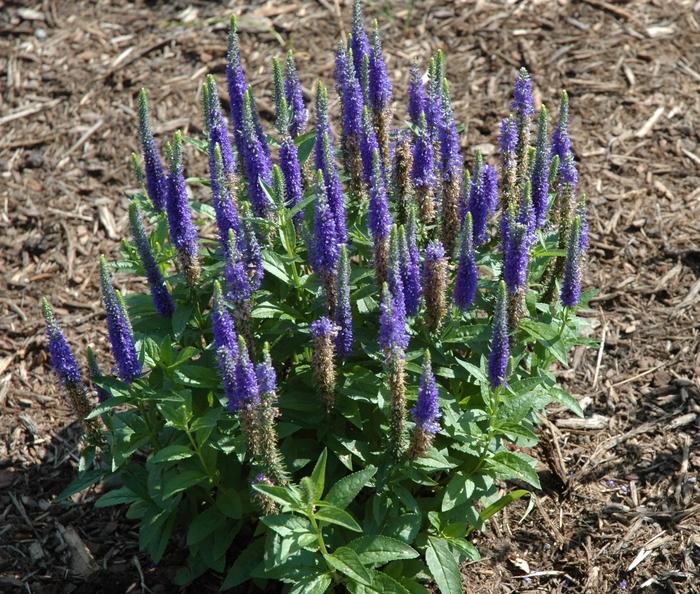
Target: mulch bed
point(620, 508)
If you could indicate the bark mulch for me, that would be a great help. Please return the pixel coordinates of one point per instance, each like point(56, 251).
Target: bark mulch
point(619, 511)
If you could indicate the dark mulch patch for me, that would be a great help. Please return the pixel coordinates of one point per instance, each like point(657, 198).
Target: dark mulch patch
point(619, 511)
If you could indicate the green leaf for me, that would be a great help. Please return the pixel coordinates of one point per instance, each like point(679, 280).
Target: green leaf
point(565, 399)
point(377, 550)
point(229, 503)
point(405, 527)
point(348, 562)
point(282, 495)
point(182, 315)
point(312, 585)
point(305, 144)
point(381, 582)
point(473, 370)
point(181, 481)
point(80, 483)
point(458, 491)
point(318, 476)
point(514, 465)
point(498, 505)
point(466, 548)
point(244, 564)
point(171, 453)
point(204, 525)
point(117, 497)
point(335, 515)
point(443, 566)
point(434, 460)
point(347, 488)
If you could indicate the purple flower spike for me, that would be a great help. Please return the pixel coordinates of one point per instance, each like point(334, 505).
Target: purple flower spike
point(251, 251)
point(540, 173)
point(258, 166)
point(121, 337)
point(568, 175)
point(379, 83)
point(156, 185)
point(322, 327)
point(392, 327)
point(325, 162)
point(247, 389)
point(466, 278)
point(490, 188)
point(183, 233)
point(571, 282)
point(526, 213)
point(343, 312)
point(218, 130)
point(433, 102)
point(416, 95)
point(368, 146)
point(561, 143)
point(322, 123)
point(515, 253)
point(582, 213)
point(325, 250)
point(281, 105)
point(350, 93)
point(289, 163)
point(237, 85)
point(426, 412)
point(265, 373)
point(224, 206)
point(62, 360)
point(395, 276)
point(481, 201)
point(221, 323)
point(227, 370)
point(238, 285)
point(449, 139)
point(162, 301)
point(410, 266)
point(508, 140)
point(295, 98)
point(379, 218)
point(359, 42)
point(522, 104)
point(500, 344)
point(423, 172)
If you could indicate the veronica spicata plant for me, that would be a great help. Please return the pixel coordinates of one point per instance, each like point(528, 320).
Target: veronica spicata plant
point(336, 372)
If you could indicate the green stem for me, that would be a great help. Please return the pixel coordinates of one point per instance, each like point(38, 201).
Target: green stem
point(319, 534)
point(198, 451)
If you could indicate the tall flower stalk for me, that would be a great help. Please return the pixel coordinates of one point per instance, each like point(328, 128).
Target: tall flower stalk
point(156, 183)
point(183, 233)
point(65, 366)
point(393, 339)
point(425, 413)
point(121, 336)
point(434, 284)
point(162, 301)
point(324, 333)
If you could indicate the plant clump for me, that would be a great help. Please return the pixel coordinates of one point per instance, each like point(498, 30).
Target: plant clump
point(349, 334)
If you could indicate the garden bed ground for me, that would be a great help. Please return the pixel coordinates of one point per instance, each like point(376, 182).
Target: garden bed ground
point(620, 510)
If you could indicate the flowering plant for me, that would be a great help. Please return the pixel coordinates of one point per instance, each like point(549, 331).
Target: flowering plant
point(337, 368)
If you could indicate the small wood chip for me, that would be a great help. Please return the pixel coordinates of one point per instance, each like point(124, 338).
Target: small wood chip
point(646, 128)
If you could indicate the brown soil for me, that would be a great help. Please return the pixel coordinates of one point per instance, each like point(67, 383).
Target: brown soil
point(620, 507)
